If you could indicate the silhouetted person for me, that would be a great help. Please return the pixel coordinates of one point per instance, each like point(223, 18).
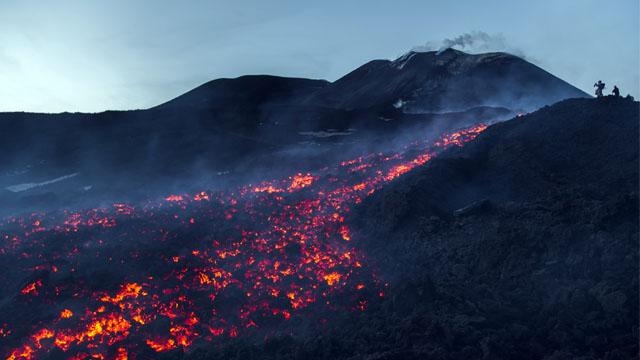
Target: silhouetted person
point(615, 91)
point(599, 87)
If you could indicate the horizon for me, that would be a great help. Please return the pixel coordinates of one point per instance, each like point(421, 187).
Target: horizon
point(123, 56)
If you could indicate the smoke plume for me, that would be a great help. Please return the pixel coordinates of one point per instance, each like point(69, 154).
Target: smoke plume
point(474, 41)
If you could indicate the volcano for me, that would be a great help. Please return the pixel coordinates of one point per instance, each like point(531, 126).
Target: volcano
point(403, 216)
point(447, 80)
point(231, 130)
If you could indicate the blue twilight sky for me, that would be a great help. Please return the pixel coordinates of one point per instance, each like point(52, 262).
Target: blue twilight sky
point(85, 55)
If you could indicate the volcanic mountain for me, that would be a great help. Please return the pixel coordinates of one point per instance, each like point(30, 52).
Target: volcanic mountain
point(256, 126)
point(445, 81)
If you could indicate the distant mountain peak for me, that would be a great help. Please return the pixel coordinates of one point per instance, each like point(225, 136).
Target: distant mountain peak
point(447, 80)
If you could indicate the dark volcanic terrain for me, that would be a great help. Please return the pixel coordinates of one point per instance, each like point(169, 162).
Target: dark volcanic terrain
point(521, 245)
point(526, 240)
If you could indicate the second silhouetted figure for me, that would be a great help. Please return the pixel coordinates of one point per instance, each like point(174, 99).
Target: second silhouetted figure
point(615, 91)
point(599, 87)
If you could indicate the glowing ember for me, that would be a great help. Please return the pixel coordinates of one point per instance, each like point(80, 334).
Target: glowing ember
point(193, 268)
point(162, 345)
point(174, 198)
point(299, 181)
point(32, 288)
point(332, 278)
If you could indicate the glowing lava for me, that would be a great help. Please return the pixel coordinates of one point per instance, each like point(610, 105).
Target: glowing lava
point(116, 282)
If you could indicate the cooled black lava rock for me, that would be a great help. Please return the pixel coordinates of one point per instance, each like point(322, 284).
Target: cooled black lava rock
point(548, 271)
point(552, 266)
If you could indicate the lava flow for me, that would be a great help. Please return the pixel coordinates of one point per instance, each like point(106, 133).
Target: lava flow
point(118, 282)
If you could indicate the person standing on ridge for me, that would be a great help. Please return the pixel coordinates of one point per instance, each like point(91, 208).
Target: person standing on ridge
point(599, 87)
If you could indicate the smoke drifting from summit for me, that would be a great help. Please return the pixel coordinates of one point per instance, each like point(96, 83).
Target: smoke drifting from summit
point(474, 42)
point(478, 38)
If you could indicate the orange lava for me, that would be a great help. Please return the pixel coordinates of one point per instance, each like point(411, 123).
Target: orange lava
point(193, 268)
point(31, 288)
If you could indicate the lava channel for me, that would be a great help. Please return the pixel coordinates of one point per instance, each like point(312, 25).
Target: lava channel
point(128, 280)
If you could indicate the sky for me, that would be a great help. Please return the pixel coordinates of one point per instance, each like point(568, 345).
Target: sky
point(90, 56)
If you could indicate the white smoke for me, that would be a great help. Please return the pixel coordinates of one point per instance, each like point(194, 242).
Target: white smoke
point(474, 42)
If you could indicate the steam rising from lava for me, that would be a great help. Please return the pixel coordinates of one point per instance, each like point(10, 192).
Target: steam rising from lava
point(127, 280)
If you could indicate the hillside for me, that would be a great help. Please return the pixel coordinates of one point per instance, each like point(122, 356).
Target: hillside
point(445, 81)
point(521, 245)
point(524, 244)
point(517, 240)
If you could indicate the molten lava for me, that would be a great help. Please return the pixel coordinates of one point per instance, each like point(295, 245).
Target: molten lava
point(126, 280)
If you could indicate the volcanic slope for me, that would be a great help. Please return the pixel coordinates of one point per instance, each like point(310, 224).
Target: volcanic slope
point(521, 245)
point(446, 81)
point(524, 244)
point(177, 274)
